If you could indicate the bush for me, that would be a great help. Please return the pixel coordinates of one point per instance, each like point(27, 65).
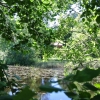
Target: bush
point(26, 57)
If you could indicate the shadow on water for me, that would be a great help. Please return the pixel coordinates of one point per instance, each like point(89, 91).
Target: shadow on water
point(55, 95)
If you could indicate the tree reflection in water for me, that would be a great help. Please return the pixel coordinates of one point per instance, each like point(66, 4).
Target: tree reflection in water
point(55, 95)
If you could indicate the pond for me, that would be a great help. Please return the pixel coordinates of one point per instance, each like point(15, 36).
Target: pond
point(54, 95)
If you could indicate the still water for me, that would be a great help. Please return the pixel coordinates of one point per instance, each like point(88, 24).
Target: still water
point(50, 96)
point(55, 95)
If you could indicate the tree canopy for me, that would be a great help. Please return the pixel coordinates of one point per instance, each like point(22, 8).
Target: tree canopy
point(26, 22)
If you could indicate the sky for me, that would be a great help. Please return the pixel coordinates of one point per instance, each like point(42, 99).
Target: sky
point(75, 9)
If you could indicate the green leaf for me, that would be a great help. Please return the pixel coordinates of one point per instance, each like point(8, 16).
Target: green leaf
point(3, 66)
point(67, 36)
point(1, 73)
point(97, 97)
point(90, 87)
point(25, 94)
point(71, 94)
point(86, 75)
point(45, 1)
point(98, 19)
point(97, 85)
point(84, 99)
point(84, 94)
point(48, 88)
point(2, 84)
point(31, 0)
point(83, 14)
point(76, 68)
point(6, 97)
point(69, 77)
point(71, 85)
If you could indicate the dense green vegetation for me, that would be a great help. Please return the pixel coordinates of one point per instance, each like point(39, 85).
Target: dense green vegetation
point(25, 34)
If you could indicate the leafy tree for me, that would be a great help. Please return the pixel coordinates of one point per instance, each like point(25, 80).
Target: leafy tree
point(30, 28)
point(31, 15)
point(26, 57)
point(24, 22)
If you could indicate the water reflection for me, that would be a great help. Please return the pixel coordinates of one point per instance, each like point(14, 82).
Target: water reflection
point(16, 91)
point(55, 95)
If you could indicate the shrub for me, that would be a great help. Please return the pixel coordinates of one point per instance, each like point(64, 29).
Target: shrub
point(19, 57)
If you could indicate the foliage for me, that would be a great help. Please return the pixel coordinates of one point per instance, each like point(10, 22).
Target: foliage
point(24, 95)
point(82, 45)
point(6, 83)
point(23, 22)
point(79, 85)
point(30, 15)
point(29, 27)
point(26, 57)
